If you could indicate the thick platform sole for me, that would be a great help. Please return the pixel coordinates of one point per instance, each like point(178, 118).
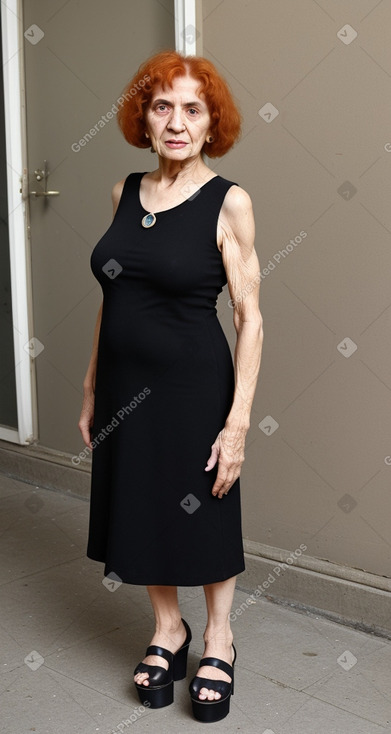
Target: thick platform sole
point(211, 711)
point(180, 663)
point(156, 698)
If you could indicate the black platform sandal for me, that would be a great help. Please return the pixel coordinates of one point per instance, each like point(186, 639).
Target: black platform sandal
point(211, 711)
point(160, 690)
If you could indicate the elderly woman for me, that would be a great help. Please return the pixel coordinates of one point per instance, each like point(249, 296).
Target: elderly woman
point(165, 409)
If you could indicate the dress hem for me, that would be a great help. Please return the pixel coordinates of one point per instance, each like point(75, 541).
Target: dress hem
point(154, 582)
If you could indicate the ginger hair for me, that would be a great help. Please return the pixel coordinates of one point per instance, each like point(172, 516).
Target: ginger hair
point(160, 70)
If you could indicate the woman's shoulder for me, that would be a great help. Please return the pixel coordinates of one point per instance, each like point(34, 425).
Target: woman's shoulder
point(116, 191)
point(236, 199)
point(133, 175)
point(236, 196)
point(236, 218)
point(118, 188)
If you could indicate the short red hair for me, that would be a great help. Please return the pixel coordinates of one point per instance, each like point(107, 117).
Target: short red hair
point(160, 70)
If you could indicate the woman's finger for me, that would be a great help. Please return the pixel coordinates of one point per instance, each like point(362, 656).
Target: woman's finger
point(214, 454)
point(86, 434)
point(225, 481)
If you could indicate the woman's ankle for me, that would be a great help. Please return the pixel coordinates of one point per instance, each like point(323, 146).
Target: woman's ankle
point(218, 634)
point(169, 625)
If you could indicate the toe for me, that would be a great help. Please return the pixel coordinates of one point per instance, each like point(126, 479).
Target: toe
point(142, 678)
point(213, 695)
point(209, 694)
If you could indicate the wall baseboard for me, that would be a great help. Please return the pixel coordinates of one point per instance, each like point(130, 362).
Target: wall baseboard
point(46, 468)
point(345, 595)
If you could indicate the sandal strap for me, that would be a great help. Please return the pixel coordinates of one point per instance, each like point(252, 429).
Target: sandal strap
point(188, 634)
point(158, 676)
point(161, 651)
point(217, 663)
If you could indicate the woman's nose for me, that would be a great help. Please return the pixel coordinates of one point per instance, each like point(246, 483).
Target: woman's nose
point(176, 120)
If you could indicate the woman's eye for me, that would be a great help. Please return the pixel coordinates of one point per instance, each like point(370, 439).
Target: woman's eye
point(163, 108)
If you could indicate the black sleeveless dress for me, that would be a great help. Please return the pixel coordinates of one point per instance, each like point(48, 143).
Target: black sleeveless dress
point(164, 388)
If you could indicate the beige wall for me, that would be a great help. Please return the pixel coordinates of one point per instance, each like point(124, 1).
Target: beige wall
point(321, 477)
point(333, 123)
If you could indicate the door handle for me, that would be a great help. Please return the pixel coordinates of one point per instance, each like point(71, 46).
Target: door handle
point(45, 193)
point(42, 175)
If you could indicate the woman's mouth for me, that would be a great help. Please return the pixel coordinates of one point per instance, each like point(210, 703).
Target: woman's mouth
point(174, 144)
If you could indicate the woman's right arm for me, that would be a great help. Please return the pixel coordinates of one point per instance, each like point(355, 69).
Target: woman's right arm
point(87, 412)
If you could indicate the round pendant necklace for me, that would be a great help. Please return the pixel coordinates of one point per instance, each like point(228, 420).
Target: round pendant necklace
point(149, 220)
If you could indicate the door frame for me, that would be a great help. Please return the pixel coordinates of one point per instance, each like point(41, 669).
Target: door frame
point(188, 27)
point(19, 246)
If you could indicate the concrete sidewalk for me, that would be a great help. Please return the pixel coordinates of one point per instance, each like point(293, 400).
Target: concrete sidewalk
point(69, 645)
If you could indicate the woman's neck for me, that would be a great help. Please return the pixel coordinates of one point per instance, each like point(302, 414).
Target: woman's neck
point(174, 173)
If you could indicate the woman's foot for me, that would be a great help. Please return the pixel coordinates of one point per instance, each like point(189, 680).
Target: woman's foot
point(171, 639)
point(216, 646)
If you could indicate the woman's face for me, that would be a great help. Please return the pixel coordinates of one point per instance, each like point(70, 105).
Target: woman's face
point(177, 119)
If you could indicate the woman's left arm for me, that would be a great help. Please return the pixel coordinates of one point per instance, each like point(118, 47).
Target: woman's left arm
point(235, 239)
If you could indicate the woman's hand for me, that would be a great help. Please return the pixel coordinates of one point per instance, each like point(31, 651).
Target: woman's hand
point(87, 415)
point(228, 449)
